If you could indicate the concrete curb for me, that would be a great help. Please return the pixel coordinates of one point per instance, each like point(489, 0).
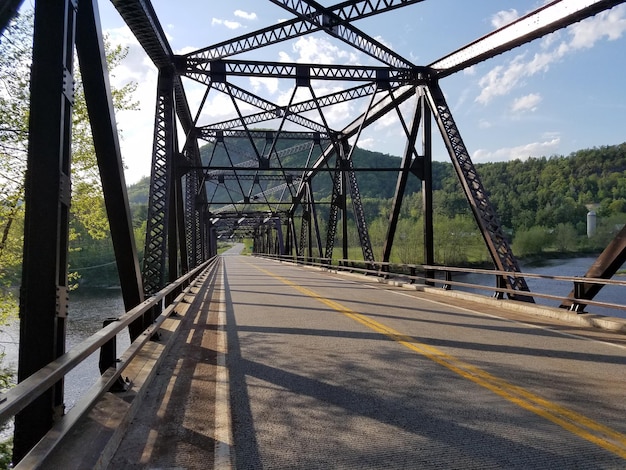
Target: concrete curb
point(613, 324)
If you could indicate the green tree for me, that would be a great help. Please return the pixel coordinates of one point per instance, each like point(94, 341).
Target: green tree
point(88, 214)
point(456, 239)
point(531, 241)
point(565, 238)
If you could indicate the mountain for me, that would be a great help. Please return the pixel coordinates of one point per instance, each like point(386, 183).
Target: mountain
point(538, 191)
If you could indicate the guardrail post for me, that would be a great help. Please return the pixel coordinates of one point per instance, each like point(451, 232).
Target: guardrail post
point(447, 285)
point(500, 284)
point(412, 274)
point(429, 277)
point(108, 358)
point(384, 269)
point(579, 290)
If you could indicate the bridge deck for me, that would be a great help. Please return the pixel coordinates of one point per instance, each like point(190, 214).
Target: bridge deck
point(326, 372)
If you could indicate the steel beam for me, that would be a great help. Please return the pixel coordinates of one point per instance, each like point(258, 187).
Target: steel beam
point(211, 134)
point(44, 289)
point(476, 195)
point(334, 25)
point(355, 193)
point(94, 71)
point(427, 185)
point(316, 226)
point(605, 267)
point(403, 176)
point(177, 247)
point(301, 107)
point(161, 180)
point(359, 214)
point(379, 109)
point(140, 17)
point(8, 10)
point(250, 98)
point(547, 19)
point(219, 70)
point(347, 11)
point(193, 217)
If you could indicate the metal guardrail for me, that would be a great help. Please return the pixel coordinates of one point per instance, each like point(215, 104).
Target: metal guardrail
point(443, 276)
point(20, 396)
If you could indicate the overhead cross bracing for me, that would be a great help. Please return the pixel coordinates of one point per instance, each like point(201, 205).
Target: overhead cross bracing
point(380, 89)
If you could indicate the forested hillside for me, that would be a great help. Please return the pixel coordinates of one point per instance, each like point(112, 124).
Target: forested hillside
point(539, 191)
point(542, 204)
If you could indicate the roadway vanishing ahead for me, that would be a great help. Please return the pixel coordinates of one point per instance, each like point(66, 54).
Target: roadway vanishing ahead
point(328, 371)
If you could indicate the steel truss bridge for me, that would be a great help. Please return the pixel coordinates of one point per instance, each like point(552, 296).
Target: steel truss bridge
point(197, 198)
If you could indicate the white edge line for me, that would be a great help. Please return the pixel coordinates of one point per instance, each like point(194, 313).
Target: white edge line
point(223, 432)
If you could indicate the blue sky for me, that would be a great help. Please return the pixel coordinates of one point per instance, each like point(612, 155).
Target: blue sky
point(556, 95)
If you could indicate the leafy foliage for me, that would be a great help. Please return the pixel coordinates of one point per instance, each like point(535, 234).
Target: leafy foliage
point(88, 223)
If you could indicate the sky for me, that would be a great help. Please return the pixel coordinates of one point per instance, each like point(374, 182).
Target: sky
point(553, 96)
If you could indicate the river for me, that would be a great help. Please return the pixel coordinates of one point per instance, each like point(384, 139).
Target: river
point(557, 267)
point(90, 307)
point(575, 267)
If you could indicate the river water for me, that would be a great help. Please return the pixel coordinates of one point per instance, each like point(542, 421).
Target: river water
point(575, 267)
point(90, 307)
point(87, 312)
point(557, 267)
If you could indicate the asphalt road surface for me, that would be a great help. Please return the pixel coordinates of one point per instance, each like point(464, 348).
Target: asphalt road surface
point(327, 372)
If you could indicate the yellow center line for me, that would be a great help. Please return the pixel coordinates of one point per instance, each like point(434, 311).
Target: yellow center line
point(572, 421)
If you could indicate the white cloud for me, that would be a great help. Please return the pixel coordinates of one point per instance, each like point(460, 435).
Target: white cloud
point(245, 15)
point(526, 103)
point(368, 143)
point(504, 17)
point(610, 24)
point(522, 152)
point(268, 83)
point(229, 24)
point(186, 50)
point(502, 79)
point(385, 43)
point(317, 50)
point(470, 70)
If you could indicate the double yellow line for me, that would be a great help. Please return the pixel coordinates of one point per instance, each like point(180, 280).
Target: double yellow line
point(573, 422)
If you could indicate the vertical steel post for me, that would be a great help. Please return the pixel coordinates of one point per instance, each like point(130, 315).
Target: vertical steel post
point(314, 221)
point(333, 213)
point(427, 186)
point(43, 302)
point(294, 237)
point(403, 176)
point(288, 247)
point(161, 180)
point(174, 242)
point(343, 167)
point(280, 240)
